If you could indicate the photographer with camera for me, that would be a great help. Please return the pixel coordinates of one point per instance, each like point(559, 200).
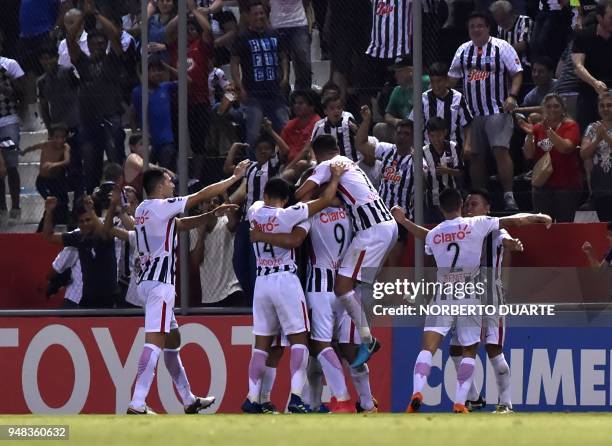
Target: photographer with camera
point(96, 252)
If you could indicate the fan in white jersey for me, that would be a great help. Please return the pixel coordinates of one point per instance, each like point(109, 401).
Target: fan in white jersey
point(375, 234)
point(279, 305)
point(456, 244)
point(494, 258)
point(156, 226)
point(329, 235)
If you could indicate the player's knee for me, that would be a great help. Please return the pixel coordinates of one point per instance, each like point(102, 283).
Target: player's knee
point(455, 350)
point(493, 350)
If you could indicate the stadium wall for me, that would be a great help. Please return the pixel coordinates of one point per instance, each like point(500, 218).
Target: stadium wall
point(27, 258)
point(87, 365)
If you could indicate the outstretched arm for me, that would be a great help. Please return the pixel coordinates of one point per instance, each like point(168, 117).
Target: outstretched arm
point(328, 195)
point(209, 192)
point(287, 240)
point(400, 217)
point(525, 219)
point(188, 223)
point(363, 144)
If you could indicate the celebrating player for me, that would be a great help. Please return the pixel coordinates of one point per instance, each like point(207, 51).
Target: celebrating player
point(278, 302)
point(330, 234)
point(456, 245)
point(156, 227)
point(375, 233)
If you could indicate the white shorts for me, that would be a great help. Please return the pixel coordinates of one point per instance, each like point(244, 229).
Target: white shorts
point(368, 249)
point(466, 329)
point(494, 330)
point(159, 306)
point(279, 305)
point(330, 321)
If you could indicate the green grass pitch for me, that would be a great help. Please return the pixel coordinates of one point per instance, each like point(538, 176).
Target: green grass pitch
point(422, 429)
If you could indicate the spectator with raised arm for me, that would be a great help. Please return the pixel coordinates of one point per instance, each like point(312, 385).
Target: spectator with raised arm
point(100, 95)
point(260, 71)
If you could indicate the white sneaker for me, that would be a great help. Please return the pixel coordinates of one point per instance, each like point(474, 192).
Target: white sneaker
point(510, 204)
point(502, 408)
point(145, 410)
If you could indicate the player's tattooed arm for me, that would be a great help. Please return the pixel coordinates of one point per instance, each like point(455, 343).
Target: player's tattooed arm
point(48, 234)
point(513, 244)
point(209, 192)
point(525, 219)
point(287, 240)
point(400, 217)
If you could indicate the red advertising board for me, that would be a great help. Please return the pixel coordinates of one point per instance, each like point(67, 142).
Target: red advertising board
point(88, 364)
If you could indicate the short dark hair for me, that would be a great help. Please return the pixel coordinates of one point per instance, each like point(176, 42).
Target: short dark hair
point(330, 86)
point(156, 62)
point(264, 138)
point(545, 61)
point(405, 123)
point(112, 172)
point(480, 15)
point(324, 144)
point(48, 50)
point(438, 69)
point(79, 208)
point(436, 123)
point(309, 96)
point(253, 3)
point(450, 200)
point(134, 139)
point(329, 99)
point(151, 178)
point(59, 127)
point(482, 193)
point(278, 188)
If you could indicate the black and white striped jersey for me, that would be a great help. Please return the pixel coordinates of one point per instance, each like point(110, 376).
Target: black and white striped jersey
point(492, 257)
point(520, 32)
point(361, 199)
point(550, 5)
point(256, 178)
point(156, 238)
point(486, 72)
point(450, 157)
point(274, 259)
point(391, 29)
point(397, 180)
point(329, 235)
point(452, 108)
point(344, 132)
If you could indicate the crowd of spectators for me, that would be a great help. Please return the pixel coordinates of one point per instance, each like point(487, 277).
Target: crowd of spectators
point(537, 97)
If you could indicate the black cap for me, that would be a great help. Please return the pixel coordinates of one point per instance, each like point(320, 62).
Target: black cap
point(402, 62)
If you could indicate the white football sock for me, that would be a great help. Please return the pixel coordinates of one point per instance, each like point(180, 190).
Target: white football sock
point(465, 376)
point(257, 368)
point(473, 393)
point(267, 383)
point(146, 371)
point(361, 381)
point(353, 308)
point(334, 374)
point(502, 378)
point(174, 365)
point(422, 367)
point(298, 362)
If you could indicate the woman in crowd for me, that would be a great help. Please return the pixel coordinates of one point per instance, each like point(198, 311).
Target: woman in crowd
point(559, 136)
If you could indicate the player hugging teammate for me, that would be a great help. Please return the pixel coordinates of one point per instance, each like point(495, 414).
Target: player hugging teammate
point(348, 242)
